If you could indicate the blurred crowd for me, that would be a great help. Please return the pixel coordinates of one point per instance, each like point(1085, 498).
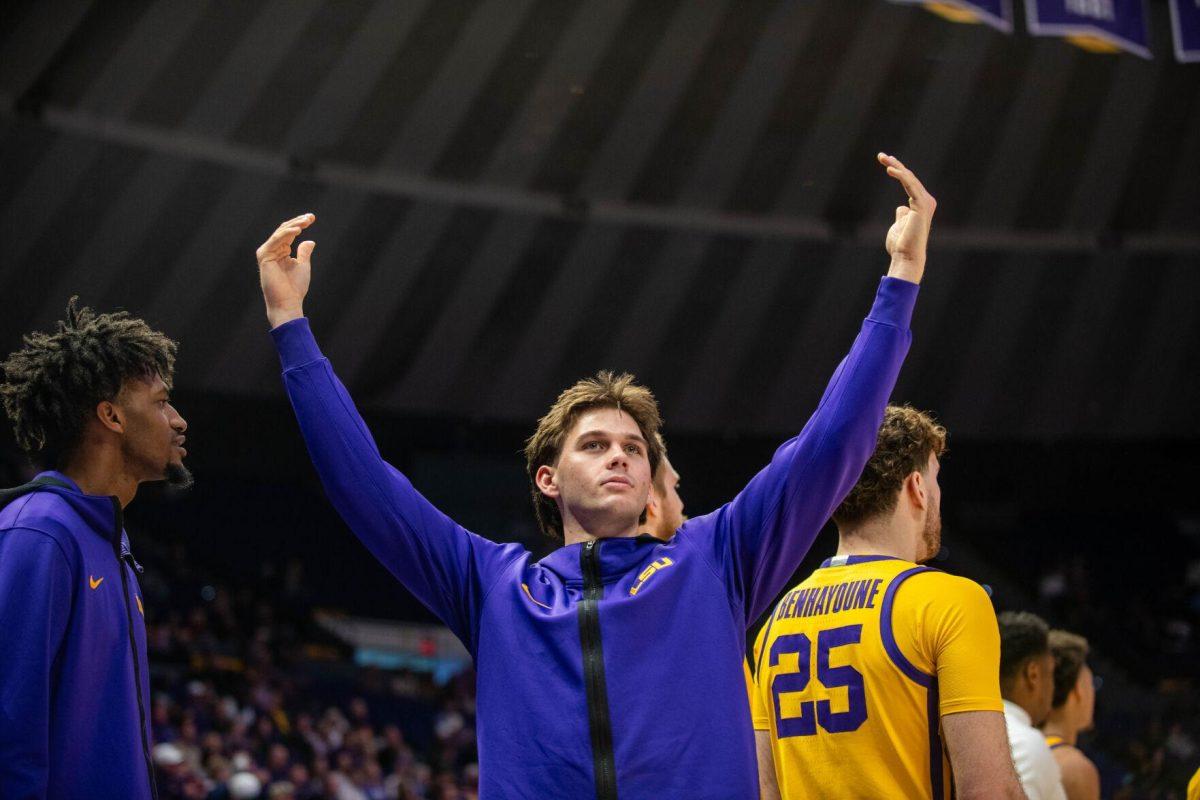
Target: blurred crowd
point(250, 744)
point(251, 700)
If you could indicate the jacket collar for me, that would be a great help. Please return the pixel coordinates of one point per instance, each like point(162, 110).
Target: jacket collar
point(617, 557)
point(102, 513)
point(846, 561)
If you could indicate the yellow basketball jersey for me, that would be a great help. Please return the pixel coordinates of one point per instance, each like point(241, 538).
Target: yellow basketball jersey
point(854, 669)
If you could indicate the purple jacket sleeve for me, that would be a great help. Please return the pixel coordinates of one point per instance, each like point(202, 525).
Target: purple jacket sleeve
point(757, 541)
point(35, 604)
point(446, 567)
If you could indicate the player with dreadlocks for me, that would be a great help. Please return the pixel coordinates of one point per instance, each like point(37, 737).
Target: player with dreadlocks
point(89, 403)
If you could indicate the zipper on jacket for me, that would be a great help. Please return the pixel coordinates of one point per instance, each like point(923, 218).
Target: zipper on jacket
point(137, 667)
point(599, 723)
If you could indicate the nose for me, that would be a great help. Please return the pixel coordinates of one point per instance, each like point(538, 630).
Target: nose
point(619, 456)
point(178, 423)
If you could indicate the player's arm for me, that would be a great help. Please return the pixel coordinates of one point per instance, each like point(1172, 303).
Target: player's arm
point(446, 567)
point(768, 783)
point(960, 637)
point(35, 604)
point(764, 533)
point(979, 756)
point(1080, 778)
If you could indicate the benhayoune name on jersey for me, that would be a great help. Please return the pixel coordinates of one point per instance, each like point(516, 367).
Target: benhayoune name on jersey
point(813, 601)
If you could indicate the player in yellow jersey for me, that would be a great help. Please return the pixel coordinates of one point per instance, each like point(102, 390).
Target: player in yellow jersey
point(877, 677)
point(1072, 710)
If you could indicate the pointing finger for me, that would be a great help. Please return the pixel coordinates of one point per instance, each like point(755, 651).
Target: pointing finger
point(909, 181)
point(280, 242)
point(284, 235)
point(918, 195)
point(303, 220)
point(299, 223)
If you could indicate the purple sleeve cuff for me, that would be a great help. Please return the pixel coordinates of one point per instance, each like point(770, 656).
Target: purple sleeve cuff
point(296, 345)
point(893, 303)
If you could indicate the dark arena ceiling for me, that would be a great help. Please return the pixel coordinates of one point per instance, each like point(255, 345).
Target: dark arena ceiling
point(514, 193)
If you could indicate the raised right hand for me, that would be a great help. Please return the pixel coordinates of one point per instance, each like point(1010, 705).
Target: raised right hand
point(284, 277)
point(908, 238)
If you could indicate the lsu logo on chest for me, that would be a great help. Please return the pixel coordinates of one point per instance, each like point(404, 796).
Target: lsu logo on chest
point(649, 572)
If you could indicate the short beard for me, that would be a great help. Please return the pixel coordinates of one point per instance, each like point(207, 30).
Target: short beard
point(178, 477)
point(932, 536)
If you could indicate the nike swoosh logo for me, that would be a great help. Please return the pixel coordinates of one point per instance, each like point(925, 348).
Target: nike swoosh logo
point(94, 582)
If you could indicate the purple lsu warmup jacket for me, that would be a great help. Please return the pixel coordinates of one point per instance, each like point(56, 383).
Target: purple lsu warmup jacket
point(74, 684)
point(611, 668)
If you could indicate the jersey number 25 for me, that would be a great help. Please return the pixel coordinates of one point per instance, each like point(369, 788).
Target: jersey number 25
point(819, 712)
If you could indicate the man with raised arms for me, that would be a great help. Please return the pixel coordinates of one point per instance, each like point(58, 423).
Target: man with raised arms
point(612, 667)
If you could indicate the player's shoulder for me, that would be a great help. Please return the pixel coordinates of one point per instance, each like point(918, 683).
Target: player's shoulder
point(42, 512)
point(23, 544)
point(939, 585)
point(933, 594)
point(1074, 761)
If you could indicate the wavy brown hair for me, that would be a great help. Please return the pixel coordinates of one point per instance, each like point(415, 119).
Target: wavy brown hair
point(1070, 654)
point(906, 439)
point(604, 390)
point(55, 380)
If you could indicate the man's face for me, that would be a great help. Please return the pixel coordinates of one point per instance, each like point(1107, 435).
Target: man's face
point(153, 440)
point(602, 477)
point(664, 494)
point(932, 535)
point(1085, 686)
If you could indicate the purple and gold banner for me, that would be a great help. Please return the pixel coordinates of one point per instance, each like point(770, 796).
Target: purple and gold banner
point(1185, 24)
point(997, 13)
point(1096, 25)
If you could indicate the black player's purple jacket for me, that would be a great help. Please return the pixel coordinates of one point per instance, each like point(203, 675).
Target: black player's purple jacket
point(74, 685)
point(611, 668)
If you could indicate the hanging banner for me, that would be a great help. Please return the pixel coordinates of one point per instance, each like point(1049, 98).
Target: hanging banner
point(997, 13)
point(1185, 24)
point(1101, 26)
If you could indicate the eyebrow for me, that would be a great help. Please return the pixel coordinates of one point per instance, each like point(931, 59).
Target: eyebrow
point(627, 436)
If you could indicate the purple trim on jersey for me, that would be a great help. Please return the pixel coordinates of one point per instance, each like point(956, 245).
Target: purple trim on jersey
point(1056, 746)
point(889, 636)
point(933, 710)
point(851, 560)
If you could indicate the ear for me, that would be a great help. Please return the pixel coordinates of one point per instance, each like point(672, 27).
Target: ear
point(547, 481)
point(914, 487)
point(110, 416)
point(1032, 671)
point(651, 509)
